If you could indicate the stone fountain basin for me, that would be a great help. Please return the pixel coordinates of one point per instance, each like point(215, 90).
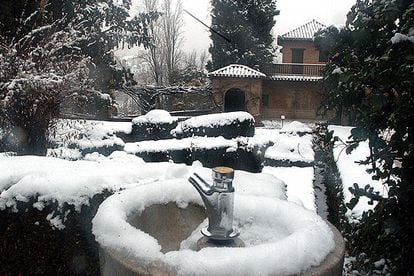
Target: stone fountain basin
point(153, 230)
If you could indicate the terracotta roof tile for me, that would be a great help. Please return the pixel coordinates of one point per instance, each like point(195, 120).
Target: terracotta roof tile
point(304, 32)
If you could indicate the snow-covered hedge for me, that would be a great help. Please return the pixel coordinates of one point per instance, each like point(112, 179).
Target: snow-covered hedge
point(297, 128)
point(244, 153)
point(105, 146)
point(155, 125)
point(228, 125)
point(290, 150)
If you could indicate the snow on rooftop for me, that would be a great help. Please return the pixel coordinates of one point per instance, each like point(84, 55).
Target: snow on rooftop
point(295, 78)
point(237, 71)
point(304, 32)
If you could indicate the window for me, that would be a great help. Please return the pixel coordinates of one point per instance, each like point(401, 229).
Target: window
point(265, 100)
point(323, 57)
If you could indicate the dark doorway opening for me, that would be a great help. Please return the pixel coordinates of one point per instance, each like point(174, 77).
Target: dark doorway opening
point(235, 100)
point(297, 57)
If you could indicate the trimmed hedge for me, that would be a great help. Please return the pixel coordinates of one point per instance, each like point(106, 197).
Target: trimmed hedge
point(151, 131)
point(242, 158)
point(286, 163)
point(39, 249)
point(236, 127)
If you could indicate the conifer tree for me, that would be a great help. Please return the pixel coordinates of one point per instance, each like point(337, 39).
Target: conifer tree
point(247, 24)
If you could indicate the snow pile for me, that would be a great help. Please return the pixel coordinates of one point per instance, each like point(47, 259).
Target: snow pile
point(352, 172)
point(299, 184)
point(156, 116)
point(291, 148)
point(219, 119)
point(281, 238)
point(296, 127)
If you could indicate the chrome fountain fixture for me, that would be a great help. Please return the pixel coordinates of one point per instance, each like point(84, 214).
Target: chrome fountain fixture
point(218, 199)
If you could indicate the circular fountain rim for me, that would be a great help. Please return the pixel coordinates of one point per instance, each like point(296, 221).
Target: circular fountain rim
point(119, 208)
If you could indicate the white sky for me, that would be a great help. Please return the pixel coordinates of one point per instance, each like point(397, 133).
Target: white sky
point(293, 13)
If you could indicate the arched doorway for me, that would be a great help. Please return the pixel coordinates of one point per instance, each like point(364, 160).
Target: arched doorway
point(235, 100)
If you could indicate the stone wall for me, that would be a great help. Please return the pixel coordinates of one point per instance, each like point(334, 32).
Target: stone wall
point(294, 99)
point(251, 87)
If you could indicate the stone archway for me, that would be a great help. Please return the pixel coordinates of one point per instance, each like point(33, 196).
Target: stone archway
point(235, 100)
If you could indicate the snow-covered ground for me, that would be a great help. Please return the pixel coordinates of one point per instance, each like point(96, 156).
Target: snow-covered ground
point(352, 172)
point(93, 173)
point(42, 180)
point(299, 184)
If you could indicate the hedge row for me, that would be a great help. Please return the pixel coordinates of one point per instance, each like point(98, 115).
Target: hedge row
point(40, 249)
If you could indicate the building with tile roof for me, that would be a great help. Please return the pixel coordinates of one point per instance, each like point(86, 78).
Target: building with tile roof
point(237, 71)
point(292, 88)
point(304, 32)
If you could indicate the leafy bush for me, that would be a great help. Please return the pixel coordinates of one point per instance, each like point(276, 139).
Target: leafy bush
point(369, 78)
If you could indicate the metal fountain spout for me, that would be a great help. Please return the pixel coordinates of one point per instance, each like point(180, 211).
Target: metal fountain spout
point(218, 199)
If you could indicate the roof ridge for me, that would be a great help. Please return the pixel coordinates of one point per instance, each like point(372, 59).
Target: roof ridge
point(305, 31)
point(237, 70)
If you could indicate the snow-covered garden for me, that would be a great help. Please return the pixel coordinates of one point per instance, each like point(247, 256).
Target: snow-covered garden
point(58, 195)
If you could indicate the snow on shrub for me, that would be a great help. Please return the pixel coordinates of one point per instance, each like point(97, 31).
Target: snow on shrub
point(291, 150)
point(105, 146)
point(229, 125)
point(241, 153)
point(156, 124)
point(296, 127)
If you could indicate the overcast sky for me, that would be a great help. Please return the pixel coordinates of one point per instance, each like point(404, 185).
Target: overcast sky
point(293, 13)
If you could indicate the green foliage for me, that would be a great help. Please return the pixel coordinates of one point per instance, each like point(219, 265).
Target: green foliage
point(247, 24)
point(369, 78)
